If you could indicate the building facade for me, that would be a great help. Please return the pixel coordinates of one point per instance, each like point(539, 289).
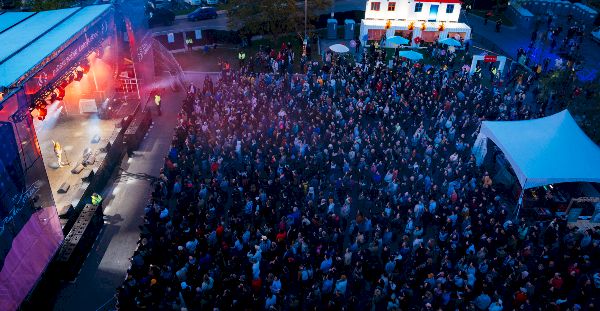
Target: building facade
point(419, 21)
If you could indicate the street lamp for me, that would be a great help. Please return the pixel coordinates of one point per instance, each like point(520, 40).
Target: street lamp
point(305, 19)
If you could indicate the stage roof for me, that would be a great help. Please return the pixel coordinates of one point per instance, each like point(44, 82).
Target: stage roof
point(546, 151)
point(28, 38)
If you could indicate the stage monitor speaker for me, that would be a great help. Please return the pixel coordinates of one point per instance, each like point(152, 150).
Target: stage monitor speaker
point(78, 168)
point(86, 152)
point(89, 160)
point(64, 188)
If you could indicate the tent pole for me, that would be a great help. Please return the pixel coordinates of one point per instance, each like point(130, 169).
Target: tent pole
point(519, 205)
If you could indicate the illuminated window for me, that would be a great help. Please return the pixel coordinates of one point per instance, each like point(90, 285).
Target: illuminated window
point(449, 8)
point(418, 7)
point(375, 6)
point(392, 6)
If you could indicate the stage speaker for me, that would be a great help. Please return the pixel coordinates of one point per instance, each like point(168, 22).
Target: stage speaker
point(87, 176)
point(78, 168)
point(64, 188)
point(89, 160)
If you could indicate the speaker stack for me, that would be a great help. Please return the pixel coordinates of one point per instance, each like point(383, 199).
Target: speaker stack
point(136, 130)
point(79, 241)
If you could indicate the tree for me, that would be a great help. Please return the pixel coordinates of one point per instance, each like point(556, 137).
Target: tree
point(45, 5)
point(272, 17)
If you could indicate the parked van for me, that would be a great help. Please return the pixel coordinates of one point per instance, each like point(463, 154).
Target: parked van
point(202, 13)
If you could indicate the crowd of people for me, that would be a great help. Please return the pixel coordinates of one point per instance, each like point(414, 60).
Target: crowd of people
point(348, 187)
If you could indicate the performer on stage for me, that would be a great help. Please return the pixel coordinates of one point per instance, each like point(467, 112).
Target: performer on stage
point(58, 152)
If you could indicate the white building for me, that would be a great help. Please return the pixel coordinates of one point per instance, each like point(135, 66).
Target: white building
point(428, 20)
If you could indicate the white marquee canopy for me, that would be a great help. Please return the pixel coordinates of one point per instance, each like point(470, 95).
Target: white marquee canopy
point(543, 151)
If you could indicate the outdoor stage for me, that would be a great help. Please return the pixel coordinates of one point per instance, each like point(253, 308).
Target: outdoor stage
point(78, 134)
point(75, 134)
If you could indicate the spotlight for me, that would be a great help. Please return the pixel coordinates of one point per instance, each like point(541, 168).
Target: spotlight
point(42, 113)
point(85, 67)
point(36, 105)
point(78, 75)
point(60, 93)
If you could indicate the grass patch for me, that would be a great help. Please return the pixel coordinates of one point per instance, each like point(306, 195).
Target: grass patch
point(495, 16)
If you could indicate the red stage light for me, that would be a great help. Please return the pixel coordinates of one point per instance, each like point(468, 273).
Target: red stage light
point(42, 112)
point(78, 75)
point(85, 68)
point(60, 93)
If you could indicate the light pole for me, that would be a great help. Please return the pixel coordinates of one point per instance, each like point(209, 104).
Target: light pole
point(305, 41)
point(305, 17)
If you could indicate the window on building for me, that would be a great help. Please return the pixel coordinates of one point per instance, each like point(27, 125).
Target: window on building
point(392, 6)
point(449, 8)
point(375, 34)
point(418, 7)
point(375, 6)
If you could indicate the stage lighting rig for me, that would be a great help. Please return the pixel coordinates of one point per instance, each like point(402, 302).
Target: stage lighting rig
point(42, 113)
point(60, 93)
point(78, 75)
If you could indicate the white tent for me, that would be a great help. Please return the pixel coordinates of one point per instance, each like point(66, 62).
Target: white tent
point(543, 151)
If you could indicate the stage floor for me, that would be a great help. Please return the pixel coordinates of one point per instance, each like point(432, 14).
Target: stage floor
point(75, 133)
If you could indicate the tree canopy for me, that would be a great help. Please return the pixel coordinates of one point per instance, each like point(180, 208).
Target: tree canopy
point(273, 17)
point(45, 5)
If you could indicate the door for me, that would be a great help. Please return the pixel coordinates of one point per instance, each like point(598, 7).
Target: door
point(433, 10)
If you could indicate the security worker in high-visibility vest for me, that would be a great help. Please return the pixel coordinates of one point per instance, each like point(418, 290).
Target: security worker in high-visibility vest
point(157, 101)
point(96, 199)
point(478, 71)
point(242, 58)
point(494, 73)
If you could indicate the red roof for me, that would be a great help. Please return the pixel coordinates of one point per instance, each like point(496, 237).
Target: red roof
point(440, 1)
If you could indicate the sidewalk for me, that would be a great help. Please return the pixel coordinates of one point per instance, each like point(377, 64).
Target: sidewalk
point(509, 39)
point(125, 198)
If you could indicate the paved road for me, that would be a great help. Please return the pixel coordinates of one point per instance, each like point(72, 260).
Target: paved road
point(513, 38)
point(348, 5)
point(182, 24)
